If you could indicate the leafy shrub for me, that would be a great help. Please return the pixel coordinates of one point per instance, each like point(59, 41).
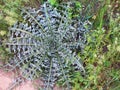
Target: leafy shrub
point(45, 44)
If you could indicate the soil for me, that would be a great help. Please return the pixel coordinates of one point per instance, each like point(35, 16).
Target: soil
point(7, 78)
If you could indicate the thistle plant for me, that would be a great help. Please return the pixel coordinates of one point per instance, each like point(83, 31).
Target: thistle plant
point(44, 44)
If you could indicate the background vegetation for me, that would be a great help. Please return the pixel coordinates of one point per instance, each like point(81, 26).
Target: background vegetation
point(101, 56)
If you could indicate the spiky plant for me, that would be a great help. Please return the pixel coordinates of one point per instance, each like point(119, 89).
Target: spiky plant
point(44, 44)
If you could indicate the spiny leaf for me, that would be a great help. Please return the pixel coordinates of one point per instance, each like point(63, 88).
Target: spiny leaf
point(44, 44)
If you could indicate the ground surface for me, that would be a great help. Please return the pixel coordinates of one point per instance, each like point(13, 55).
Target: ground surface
point(7, 78)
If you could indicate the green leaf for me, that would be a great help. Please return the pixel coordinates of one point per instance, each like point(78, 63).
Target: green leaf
point(107, 63)
point(78, 4)
point(52, 2)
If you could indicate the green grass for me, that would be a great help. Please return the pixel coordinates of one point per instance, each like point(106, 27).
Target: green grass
point(102, 54)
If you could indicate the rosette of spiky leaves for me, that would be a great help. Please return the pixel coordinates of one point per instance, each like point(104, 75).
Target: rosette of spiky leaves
point(43, 44)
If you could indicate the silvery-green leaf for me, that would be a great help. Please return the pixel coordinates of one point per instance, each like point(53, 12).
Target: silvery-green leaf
point(44, 44)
